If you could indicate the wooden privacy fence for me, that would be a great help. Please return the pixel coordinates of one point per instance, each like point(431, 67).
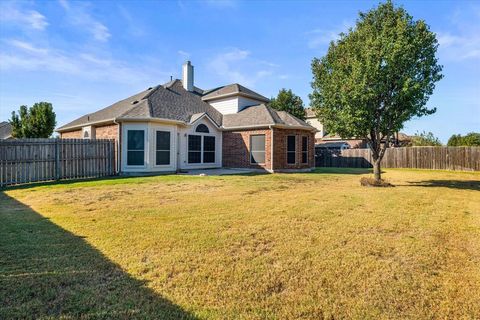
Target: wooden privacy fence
point(33, 160)
point(440, 158)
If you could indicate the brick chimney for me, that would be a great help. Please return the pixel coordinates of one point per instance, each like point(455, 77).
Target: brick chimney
point(187, 76)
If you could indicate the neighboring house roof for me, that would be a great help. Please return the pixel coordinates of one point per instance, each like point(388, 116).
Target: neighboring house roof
point(230, 90)
point(262, 115)
point(169, 101)
point(333, 145)
point(309, 113)
point(5, 130)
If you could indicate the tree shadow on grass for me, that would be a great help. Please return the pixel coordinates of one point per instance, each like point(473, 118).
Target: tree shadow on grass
point(46, 271)
point(454, 184)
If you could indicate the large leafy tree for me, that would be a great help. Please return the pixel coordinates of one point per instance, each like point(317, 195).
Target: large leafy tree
point(425, 139)
point(376, 77)
point(35, 122)
point(469, 140)
point(287, 101)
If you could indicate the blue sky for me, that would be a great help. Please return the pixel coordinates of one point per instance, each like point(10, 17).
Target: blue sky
point(82, 56)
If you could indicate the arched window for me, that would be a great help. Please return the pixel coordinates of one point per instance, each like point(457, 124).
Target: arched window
point(202, 128)
point(85, 135)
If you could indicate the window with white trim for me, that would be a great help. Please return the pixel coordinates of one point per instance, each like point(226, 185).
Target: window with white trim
point(135, 147)
point(194, 149)
point(202, 128)
point(162, 148)
point(291, 148)
point(208, 149)
point(257, 149)
point(304, 149)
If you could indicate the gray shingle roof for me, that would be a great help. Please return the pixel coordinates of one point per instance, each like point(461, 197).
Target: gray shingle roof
point(176, 103)
point(169, 101)
point(309, 113)
point(232, 89)
point(5, 130)
point(108, 113)
point(262, 115)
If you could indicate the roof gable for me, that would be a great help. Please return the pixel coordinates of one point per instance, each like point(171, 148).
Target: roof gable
point(232, 90)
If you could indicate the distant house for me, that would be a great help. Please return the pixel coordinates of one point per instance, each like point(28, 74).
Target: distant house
point(331, 141)
point(178, 126)
point(328, 140)
point(5, 130)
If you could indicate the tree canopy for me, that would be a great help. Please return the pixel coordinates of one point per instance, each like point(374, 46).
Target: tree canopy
point(37, 121)
point(376, 77)
point(425, 139)
point(287, 101)
point(469, 140)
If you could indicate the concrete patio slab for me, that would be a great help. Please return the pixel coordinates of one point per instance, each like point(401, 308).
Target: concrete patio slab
point(217, 172)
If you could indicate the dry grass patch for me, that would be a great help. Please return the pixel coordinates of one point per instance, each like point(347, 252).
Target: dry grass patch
point(276, 246)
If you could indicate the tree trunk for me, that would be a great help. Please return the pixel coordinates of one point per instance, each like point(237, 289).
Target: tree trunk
point(377, 172)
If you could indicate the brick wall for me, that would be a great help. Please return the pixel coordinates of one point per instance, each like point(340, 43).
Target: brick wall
point(280, 149)
point(107, 132)
point(75, 134)
point(236, 149)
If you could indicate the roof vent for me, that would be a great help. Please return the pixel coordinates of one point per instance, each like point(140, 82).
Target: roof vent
point(149, 88)
point(135, 102)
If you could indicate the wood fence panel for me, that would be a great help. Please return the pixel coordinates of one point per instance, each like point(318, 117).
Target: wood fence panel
point(35, 160)
point(436, 158)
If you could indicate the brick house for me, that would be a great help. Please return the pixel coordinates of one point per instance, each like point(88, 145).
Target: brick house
point(178, 126)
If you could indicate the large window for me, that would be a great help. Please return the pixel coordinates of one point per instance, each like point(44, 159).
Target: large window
point(208, 149)
point(201, 149)
point(194, 149)
point(304, 149)
point(162, 149)
point(257, 148)
point(135, 147)
point(291, 147)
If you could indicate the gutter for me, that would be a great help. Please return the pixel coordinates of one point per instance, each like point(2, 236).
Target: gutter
point(280, 126)
point(84, 125)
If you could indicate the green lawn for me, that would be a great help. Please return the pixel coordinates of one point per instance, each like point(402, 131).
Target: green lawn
point(282, 246)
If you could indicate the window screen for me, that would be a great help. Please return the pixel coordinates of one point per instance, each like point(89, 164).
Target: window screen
point(257, 148)
point(208, 149)
point(135, 147)
point(194, 149)
point(304, 149)
point(291, 149)
point(162, 148)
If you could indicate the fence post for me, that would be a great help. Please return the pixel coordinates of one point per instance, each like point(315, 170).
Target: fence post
point(57, 159)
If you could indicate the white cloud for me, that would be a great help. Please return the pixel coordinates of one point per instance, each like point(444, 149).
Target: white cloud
point(133, 26)
point(323, 37)
point(457, 47)
point(237, 65)
point(184, 54)
point(10, 13)
point(78, 15)
point(20, 55)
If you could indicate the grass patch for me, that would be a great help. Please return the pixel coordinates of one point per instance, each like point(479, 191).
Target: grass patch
point(282, 246)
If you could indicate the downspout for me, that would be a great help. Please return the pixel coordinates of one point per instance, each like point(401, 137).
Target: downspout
point(271, 148)
point(118, 144)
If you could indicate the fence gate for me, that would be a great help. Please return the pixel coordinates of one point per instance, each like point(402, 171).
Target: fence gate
point(34, 160)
